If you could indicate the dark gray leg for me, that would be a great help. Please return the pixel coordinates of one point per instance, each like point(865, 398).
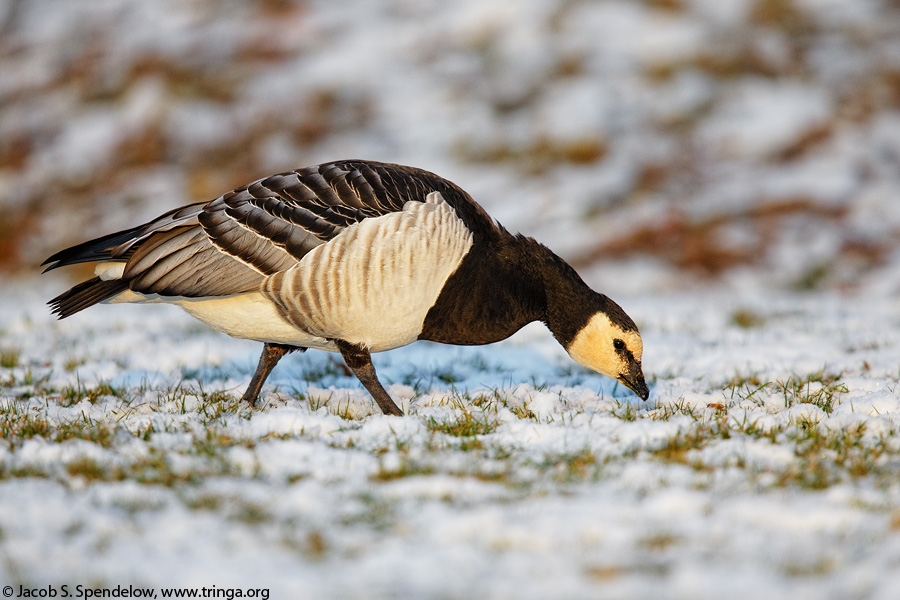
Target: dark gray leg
point(271, 354)
point(360, 362)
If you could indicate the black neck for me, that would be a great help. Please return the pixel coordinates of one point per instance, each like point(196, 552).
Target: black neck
point(492, 294)
point(502, 286)
point(571, 303)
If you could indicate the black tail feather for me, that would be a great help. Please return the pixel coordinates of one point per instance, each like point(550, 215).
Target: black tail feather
point(94, 250)
point(86, 294)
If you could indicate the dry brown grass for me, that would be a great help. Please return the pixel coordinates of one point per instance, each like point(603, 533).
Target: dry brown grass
point(542, 153)
point(696, 245)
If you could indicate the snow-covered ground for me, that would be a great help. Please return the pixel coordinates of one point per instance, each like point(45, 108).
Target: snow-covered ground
point(727, 171)
point(766, 464)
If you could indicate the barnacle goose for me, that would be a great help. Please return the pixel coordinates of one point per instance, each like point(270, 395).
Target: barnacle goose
point(354, 257)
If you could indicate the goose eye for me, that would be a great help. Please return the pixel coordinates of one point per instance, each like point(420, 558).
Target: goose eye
point(618, 344)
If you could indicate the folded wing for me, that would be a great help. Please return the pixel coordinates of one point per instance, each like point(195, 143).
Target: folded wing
point(231, 244)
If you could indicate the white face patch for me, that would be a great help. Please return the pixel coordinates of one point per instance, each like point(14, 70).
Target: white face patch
point(594, 346)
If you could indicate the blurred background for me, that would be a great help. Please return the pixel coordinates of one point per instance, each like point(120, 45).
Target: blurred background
point(656, 144)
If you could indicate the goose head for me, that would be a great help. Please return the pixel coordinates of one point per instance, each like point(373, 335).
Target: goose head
point(612, 348)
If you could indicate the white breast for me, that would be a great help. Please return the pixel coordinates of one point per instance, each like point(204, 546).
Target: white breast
point(373, 284)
